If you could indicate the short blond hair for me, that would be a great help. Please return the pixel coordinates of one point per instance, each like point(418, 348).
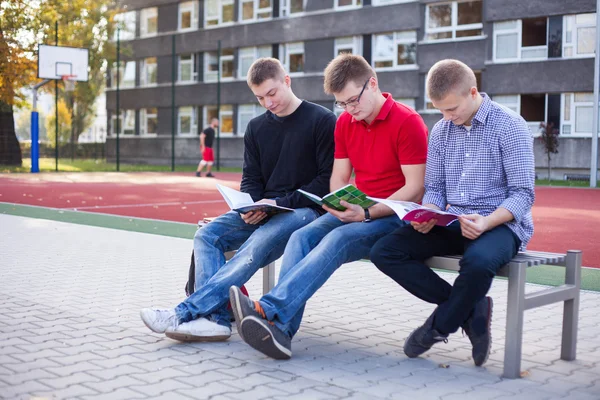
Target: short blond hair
point(346, 68)
point(448, 76)
point(263, 69)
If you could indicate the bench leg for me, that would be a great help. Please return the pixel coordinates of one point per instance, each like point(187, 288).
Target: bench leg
point(268, 277)
point(514, 320)
point(571, 307)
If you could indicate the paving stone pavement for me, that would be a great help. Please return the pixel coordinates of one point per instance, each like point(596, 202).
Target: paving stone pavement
point(70, 297)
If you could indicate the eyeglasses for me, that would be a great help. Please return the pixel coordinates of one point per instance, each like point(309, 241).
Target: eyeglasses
point(352, 103)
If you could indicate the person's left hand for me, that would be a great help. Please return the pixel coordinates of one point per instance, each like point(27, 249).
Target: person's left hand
point(352, 213)
point(473, 225)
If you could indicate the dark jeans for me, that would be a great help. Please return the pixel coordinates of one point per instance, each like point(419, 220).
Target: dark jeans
point(400, 256)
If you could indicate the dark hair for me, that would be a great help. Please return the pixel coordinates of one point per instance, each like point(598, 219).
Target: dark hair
point(346, 68)
point(449, 75)
point(263, 69)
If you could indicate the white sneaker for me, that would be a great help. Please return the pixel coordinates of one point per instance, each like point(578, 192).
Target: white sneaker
point(159, 319)
point(199, 330)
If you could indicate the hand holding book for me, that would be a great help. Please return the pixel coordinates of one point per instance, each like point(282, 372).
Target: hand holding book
point(409, 211)
point(243, 203)
point(349, 193)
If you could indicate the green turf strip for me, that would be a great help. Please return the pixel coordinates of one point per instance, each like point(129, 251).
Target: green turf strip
point(550, 275)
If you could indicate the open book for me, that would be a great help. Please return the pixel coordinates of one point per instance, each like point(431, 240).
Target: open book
point(348, 193)
point(409, 211)
point(243, 203)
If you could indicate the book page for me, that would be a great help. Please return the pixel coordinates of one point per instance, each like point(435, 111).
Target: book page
point(234, 198)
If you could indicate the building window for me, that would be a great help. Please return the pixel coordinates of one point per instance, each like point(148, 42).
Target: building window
point(211, 61)
point(350, 44)
point(148, 73)
point(577, 113)
point(188, 15)
point(225, 119)
point(454, 20)
point(149, 21)
point(248, 55)
point(126, 122)
point(291, 7)
point(511, 101)
point(579, 38)
point(343, 4)
point(429, 105)
point(218, 12)
point(126, 75)
point(521, 40)
point(252, 10)
point(291, 56)
point(187, 68)
point(394, 50)
point(187, 121)
point(148, 121)
point(245, 113)
point(125, 21)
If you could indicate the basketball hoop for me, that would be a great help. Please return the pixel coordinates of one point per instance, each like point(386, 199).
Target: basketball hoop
point(69, 81)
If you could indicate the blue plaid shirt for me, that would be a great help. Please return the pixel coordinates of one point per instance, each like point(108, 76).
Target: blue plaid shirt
point(489, 167)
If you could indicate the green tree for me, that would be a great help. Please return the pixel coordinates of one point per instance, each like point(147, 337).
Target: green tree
point(64, 124)
point(549, 139)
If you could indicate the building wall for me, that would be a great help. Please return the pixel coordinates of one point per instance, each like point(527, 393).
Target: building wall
point(318, 28)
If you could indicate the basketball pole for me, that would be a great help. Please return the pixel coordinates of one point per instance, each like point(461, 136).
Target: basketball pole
point(35, 130)
point(173, 122)
point(219, 105)
point(56, 104)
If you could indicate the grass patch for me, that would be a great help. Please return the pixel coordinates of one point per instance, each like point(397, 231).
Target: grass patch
point(546, 182)
point(90, 165)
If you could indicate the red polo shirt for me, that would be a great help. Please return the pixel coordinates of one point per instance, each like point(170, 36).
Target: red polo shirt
point(396, 137)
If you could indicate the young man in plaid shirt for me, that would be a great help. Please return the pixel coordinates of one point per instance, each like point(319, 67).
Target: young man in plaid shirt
point(480, 164)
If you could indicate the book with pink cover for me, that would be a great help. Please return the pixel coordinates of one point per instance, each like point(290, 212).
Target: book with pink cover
point(409, 211)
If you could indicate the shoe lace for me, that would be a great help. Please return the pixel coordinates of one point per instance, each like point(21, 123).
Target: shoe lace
point(258, 308)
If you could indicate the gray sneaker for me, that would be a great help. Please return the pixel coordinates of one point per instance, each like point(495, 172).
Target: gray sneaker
point(159, 319)
point(422, 338)
point(255, 329)
point(478, 329)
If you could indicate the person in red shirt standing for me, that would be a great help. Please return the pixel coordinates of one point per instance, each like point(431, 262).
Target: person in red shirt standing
point(206, 142)
point(385, 143)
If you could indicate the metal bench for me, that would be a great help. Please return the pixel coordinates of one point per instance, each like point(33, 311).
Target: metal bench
point(518, 301)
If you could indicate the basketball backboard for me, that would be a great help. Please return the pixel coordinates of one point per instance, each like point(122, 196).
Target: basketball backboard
point(54, 62)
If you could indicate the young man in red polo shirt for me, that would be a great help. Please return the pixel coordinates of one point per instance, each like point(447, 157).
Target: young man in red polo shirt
point(385, 144)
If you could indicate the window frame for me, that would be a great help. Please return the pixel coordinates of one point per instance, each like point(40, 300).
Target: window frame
point(194, 69)
point(192, 7)
point(256, 111)
point(256, 53)
point(193, 114)
point(122, 18)
point(574, 45)
point(144, 116)
point(213, 76)
point(219, 16)
point(285, 9)
point(356, 45)
point(519, 31)
point(395, 66)
point(256, 11)
point(122, 73)
point(355, 4)
point(153, 13)
point(227, 112)
point(453, 28)
point(123, 114)
point(572, 123)
point(284, 49)
point(144, 72)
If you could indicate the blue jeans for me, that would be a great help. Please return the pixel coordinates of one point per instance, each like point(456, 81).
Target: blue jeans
point(400, 256)
point(311, 256)
point(257, 245)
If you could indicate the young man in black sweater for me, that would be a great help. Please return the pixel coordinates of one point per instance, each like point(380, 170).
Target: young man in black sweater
point(288, 147)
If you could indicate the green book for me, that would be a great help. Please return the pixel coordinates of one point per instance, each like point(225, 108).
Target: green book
point(348, 193)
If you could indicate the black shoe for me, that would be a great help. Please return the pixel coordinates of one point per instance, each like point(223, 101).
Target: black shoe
point(422, 338)
point(256, 330)
point(209, 175)
point(198, 174)
point(478, 329)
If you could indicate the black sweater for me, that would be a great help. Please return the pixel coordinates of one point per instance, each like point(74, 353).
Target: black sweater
point(289, 153)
